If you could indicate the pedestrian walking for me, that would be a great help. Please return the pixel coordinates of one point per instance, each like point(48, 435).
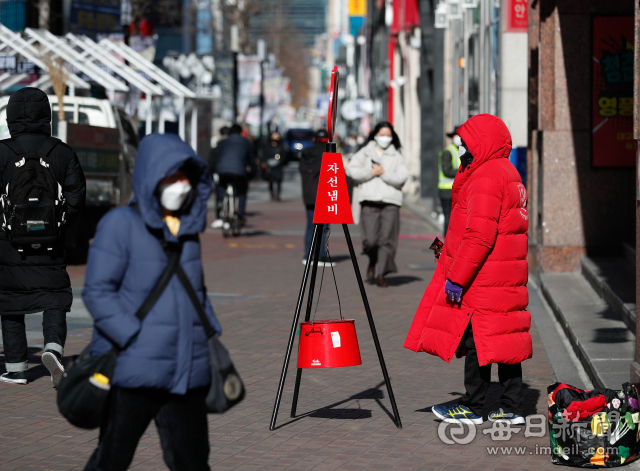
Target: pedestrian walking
point(163, 371)
point(223, 133)
point(273, 163)
point(33, 277)
point(476, 302)
point(310, 164)
point(448, 164)
point(381, 171)
point(234, 165)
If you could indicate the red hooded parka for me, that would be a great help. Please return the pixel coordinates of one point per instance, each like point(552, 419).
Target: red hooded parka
point(486, 253)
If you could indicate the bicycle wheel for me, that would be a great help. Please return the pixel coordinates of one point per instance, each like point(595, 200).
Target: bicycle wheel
point(226, 225)
point(235, 220)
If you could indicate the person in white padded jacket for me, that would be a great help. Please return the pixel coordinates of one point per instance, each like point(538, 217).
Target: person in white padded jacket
point(381, 171)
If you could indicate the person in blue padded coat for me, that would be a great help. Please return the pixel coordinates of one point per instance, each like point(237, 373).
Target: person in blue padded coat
point(163, 373)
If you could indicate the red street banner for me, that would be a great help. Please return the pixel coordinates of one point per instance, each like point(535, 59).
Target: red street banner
point(332, 200)
point(612, 92)
point(517, 20)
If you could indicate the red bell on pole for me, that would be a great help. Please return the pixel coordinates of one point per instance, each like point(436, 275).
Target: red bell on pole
point(328, 344)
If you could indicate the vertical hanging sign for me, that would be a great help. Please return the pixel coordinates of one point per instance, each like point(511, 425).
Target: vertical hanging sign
point(332, 200)
point(517, 17)
point(612, 92)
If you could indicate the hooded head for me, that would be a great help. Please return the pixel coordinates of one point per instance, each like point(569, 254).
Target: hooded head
point(159, 156)
point(486, 137)
point(29, 112)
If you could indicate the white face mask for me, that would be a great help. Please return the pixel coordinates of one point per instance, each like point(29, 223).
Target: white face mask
point(173, 196)
point(461, 150)
point(457, 141)
point(383, 141)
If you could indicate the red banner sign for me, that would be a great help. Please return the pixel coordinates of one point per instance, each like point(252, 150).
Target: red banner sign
point(332, 200)
point(612, 92)
point(517, 20)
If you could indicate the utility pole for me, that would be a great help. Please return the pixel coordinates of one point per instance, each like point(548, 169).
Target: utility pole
point(262, 55)
point(235, 47)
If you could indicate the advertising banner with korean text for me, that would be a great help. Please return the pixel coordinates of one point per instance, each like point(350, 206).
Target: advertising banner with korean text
point(332, 200)
point(516, 16)
point(612, 92)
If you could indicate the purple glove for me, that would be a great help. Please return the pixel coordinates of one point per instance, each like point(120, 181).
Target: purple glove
point(453, 291)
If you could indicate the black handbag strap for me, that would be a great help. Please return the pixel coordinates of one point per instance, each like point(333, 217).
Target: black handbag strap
point(43, 151)
point(182, 276)
point(15, 146)
point(47, 146)
point(173, 252)
point(158, 289)
point(208, 328)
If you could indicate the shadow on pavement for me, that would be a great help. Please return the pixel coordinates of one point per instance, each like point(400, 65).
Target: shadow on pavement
point(341, 414)
point(330, 411)
point(401, 280)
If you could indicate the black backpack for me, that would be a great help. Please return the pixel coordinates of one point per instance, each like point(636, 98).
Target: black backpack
point(32, 204)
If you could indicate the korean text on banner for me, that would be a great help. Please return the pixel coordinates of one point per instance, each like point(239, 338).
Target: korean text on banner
point(517, 20)
point(332, 201)
point(613, 144)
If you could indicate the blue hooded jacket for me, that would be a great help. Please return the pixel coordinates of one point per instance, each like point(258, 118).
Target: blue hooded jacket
point(125, 263)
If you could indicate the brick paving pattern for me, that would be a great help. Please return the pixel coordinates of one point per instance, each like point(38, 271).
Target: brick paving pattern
point(344, 414)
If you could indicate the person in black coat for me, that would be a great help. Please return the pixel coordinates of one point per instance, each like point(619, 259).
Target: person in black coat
point(36, 280)
point(274, 161)
point(310, 164)
point(234, 164)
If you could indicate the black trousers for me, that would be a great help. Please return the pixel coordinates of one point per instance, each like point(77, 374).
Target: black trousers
point(274, 188)
point(181, 422)
point(446, 211)
point(14, 337)
point(240, 187)
point(478, 378)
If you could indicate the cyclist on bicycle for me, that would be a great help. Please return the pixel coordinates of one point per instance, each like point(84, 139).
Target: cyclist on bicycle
point(234, 164)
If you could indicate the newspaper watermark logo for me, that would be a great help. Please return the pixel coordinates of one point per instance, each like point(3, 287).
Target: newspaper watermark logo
point(457, 433)
point(562, 431)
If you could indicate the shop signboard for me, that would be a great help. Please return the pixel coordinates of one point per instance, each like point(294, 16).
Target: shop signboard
point(517, 17)
point(613, 144)
point(95, 17)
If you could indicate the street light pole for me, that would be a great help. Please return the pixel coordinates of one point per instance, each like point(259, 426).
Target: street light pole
point(235, 86)
point(235, 48)
point(262, 54)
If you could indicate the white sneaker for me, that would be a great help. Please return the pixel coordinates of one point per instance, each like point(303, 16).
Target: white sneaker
point(14, 378)
point(322, 263)
point(326, 264)
point(51, 362)
point(217, 224)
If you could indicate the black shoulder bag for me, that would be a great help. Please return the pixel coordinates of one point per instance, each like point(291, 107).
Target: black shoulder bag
point(226, 388)
point(83, 392)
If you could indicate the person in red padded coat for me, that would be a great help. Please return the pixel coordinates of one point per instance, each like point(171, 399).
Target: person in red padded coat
point(476, 302)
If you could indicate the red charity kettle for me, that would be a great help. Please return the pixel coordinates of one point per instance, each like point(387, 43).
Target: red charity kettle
point(328, 344)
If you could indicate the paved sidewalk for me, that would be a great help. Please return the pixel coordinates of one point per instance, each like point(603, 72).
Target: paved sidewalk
point(344, 420)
